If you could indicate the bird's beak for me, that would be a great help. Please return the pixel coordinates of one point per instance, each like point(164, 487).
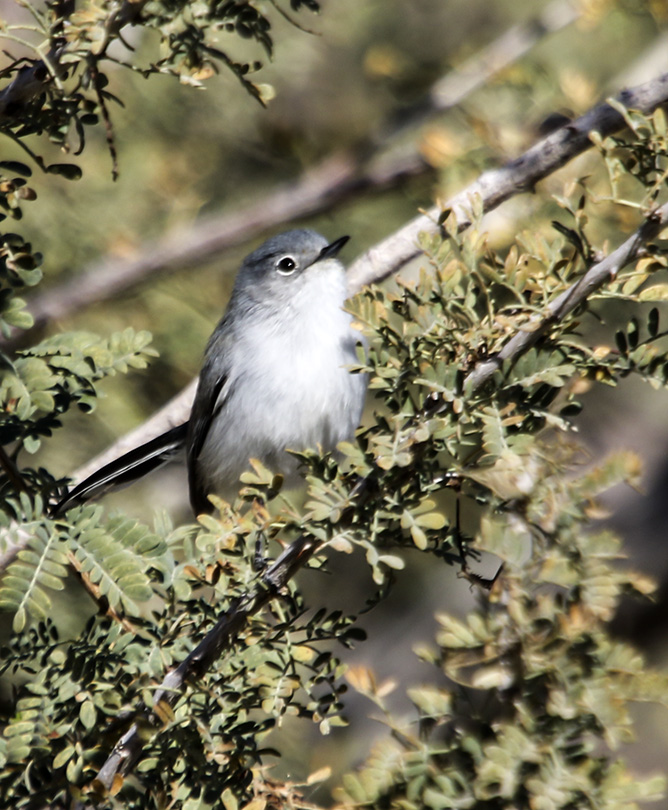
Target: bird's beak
point(331, 250)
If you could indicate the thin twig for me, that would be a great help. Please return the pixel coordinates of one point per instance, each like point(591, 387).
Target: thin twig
point(498, 185)
point(128, 749)
point(106, 118)
point(330, 183)
point(597, 275)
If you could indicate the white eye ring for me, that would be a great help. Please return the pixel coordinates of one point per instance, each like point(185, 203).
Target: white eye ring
point(286, 265)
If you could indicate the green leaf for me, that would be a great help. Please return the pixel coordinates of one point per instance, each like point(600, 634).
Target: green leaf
point(16, 167)
point(118, 571)
point(431, 701)
point(87, 714)
point(495, 537)
point(431, 520)
point(37, 568)
point(63, 756)
point(657, 292)
point(68, 170)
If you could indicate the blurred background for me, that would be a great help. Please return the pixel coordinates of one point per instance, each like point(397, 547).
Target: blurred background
point(352, 90)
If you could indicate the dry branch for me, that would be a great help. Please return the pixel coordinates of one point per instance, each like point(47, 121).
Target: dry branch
point(128, 749)
point(514, 43)
point(335, 180)
point(597, 275)
point(498, 185)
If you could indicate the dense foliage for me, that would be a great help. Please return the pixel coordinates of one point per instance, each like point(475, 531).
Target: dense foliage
point(530, 694)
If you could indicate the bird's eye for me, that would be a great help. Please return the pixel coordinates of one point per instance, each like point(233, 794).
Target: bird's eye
point(286, 265)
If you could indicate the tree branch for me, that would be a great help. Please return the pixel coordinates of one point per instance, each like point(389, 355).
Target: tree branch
point(128, 749)
point(33, 80)
point(335, 180)
point(176, 411)
point(597, 275)
point(498, 185)
point(464, 79)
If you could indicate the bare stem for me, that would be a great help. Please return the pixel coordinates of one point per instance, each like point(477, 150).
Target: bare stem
point(597, 275)
point(128, 749)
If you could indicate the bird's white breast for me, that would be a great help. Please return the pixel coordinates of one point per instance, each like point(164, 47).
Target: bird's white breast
point(289, 385)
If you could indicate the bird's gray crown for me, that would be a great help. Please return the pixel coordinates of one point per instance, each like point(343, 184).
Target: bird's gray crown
point(289, 253)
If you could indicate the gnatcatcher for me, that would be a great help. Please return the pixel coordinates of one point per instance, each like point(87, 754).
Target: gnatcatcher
point(275, 376)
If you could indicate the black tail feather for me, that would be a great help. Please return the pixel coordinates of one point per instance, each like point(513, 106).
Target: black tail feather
point(126, 469)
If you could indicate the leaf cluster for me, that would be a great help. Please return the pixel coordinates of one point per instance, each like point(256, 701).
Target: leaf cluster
point(535, 685)
point(444, 470)
point(62, 87)
point(639, 157)
point(113, 559)
point(214, 737)
point(48, 379)
point(536, 700)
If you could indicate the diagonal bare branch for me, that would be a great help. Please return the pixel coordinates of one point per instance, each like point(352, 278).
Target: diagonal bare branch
point(606, 270)
point(328, 184)
point(498, 185)
point(473, 73)
point(335, 180)
point(128, 749)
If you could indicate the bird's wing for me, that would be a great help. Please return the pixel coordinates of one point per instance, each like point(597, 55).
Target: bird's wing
point(126, 469)
point(209, 401)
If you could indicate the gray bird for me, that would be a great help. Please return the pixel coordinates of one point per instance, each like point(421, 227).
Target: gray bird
point(275, 377)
